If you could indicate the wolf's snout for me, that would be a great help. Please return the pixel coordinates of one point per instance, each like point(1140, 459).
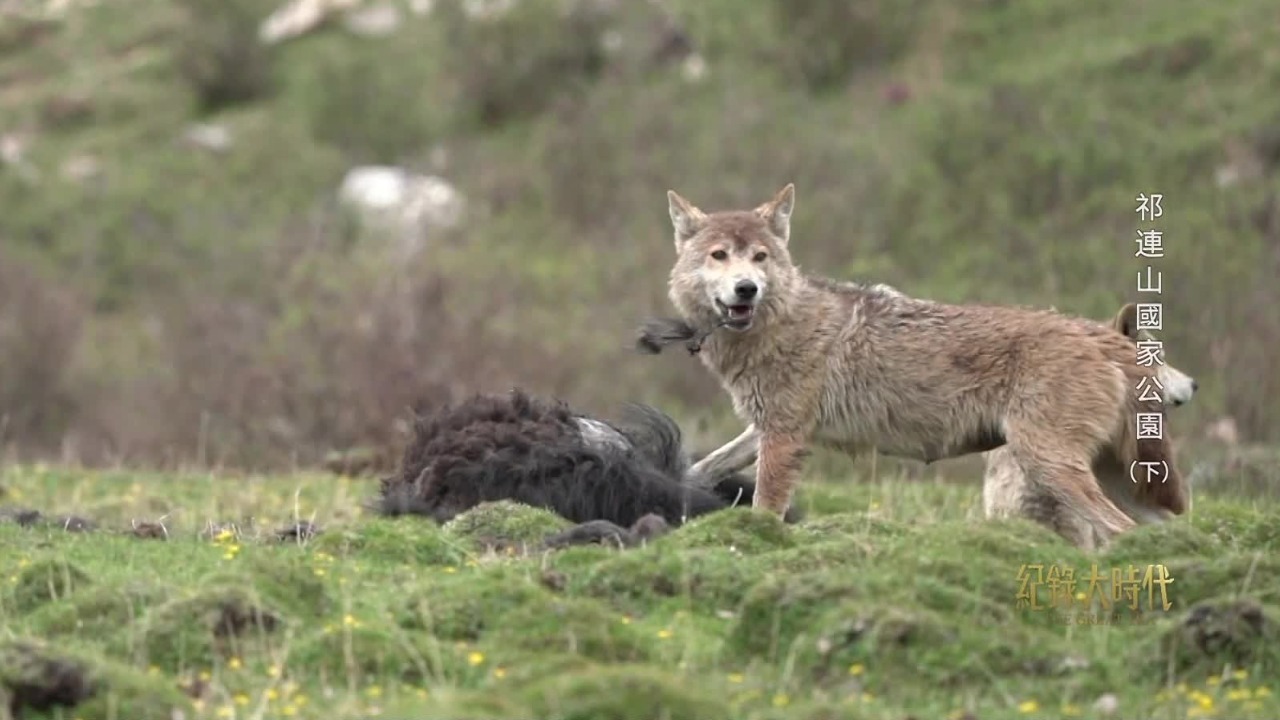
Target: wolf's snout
point(739, 308)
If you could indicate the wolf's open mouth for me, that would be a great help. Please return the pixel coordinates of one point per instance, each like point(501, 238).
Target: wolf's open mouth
point(737, 316)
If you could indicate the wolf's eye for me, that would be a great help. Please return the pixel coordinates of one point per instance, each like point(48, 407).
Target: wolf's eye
point(760, 256)
point(719, 255)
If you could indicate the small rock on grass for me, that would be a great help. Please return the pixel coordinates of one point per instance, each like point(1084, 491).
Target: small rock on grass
point(1107, 704)
point(607, 533)
point(149, 531)
point(303, 530)
point(26, 517)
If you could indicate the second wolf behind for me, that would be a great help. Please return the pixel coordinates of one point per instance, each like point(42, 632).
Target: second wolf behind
point(1006, 491)
point(809, 359)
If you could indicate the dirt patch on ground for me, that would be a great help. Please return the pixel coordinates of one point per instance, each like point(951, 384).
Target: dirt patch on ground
point(35, 680)
point(1237, 632)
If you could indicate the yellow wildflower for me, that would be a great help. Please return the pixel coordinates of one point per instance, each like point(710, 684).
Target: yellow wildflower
point(1204, 701)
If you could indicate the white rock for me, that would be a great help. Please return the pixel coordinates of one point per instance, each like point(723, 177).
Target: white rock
point(435, 200)
point(374, 187)
point(208, 136)
point(60, 8)
point(612, 41)
point(300, 17)
point(487, 9)
point(1226, 176)
point(13, 153)
point(403, 203)
point(694, 68)
point(13, 148)
point(81, 168)
point(375, 21)
point(1108, 704)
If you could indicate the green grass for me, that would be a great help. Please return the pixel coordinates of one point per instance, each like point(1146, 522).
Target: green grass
point(891, 600)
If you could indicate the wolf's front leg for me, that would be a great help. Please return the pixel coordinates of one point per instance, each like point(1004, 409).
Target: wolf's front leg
point(778, 469)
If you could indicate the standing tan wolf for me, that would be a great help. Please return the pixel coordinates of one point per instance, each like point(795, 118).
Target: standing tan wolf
point(852, 367)
point(1006, 491)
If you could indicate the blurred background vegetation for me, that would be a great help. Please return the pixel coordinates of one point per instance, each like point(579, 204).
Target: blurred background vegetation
point(181, 280)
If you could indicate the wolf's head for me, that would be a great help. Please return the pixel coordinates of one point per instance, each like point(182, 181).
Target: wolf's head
point(732, 267)
point(1175, 387)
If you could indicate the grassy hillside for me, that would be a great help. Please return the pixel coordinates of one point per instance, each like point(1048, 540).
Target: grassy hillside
point(165, 302)
point(888, 601)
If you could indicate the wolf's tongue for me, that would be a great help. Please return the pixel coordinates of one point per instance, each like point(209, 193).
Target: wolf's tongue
point(739, 310)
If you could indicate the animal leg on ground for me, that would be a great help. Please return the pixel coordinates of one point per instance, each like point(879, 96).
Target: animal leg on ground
point(733, 456)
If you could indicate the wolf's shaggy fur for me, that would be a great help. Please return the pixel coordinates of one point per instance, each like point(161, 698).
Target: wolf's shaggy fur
point(542, 453)
point(810, 359)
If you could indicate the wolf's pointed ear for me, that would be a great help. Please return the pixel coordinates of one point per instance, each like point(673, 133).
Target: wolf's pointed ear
point(685, 218)
point(1126, 321)
point(777, 212)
